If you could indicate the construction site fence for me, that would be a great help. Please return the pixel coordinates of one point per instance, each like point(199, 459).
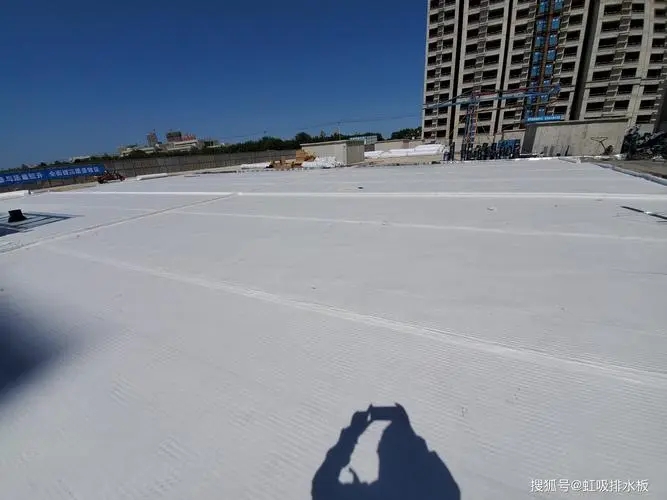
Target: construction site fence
point(133, 167)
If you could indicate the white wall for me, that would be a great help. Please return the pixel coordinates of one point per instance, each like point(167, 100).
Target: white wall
point(346, 152)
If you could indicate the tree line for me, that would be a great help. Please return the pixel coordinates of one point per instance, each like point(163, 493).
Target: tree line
point(267, 143)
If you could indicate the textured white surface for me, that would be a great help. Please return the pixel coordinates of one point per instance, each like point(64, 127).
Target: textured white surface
point(220, 330)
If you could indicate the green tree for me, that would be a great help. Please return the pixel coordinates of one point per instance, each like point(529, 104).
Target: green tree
point(303, 138)
point(407, 133)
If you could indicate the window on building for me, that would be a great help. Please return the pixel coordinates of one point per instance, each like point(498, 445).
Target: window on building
point(519, 44)
point(637, 7)
point(493, 73)
point(647, 104)
point(631, 57)
point(653, 74)
point(597, 91)
point(558, 5)
point(570, 51)
point(658, 42)
point(604, 59)
point(612, 9)
point(535, 71)
point(573, 36)
point(543, 7)
point(493, 45)
point(634, 40)
point(601, 75)
point(484, 117)
point(537, 57)
point(551, 55)
point(657, 58)
point(548, 69)
point(539, 42)
point(517, 58)
point(515, 73)
point(658, 28)
point(650, 90)
point(555, 23)
point(497, 13)
point(553, 40)
point(494, 29)
point(594, 107)
point(621, 105)
point(541, 26)
point(629, 73)
point(611, 26)
point(492, 59)
point(636, 24)
point(566, 81)
point(576, 20)
point(522, 13)
point(625, 89)
point(644, 119)
point(607, 43)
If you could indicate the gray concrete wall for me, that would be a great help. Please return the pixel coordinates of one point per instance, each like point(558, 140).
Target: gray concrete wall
point(355, 153)
point(167, 164)
point(172, 164)
point(346, 152)
point(392, 144)
point(575, 137)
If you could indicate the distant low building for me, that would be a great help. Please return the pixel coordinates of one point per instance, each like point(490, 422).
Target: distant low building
point(177, 146)
point(74, 159)
point(366, 139)
point(128, 150)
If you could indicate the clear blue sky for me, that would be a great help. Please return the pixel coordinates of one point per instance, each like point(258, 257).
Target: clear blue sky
point(82, 77)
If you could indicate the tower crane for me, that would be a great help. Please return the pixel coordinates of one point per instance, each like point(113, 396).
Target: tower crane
point(531, 97)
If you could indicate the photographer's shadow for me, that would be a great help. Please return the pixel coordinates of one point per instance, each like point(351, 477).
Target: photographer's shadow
point(407, 470)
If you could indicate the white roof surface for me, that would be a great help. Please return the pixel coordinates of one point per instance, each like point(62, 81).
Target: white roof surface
point(207, 337)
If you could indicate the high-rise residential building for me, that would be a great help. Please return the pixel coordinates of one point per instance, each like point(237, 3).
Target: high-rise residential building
point(606, 56)
point(152, 139)
point(174, 136)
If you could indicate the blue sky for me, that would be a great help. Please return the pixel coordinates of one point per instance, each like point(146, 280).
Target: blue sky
point(83, 77)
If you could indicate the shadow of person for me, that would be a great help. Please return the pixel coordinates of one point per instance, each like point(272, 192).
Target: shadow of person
point(407, 471)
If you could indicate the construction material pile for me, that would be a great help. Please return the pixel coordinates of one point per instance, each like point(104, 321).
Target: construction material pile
point(423, 150)
point(325, 162)
point(253, 166)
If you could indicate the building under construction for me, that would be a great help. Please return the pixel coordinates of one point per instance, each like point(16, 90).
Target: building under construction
point(493, 66)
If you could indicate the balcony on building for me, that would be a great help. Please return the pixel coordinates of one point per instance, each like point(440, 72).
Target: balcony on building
point(607, 45)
